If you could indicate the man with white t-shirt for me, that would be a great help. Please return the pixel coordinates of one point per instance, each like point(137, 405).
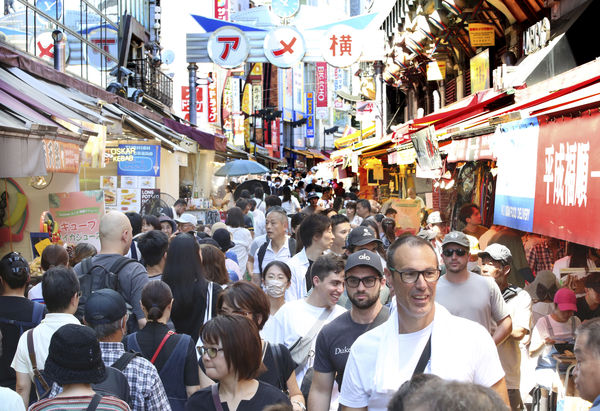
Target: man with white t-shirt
point(470, 295)
point(421, 336)
point(495, 263)
point(298, 322)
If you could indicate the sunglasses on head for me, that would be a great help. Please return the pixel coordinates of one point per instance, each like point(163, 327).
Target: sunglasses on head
point(459, 252)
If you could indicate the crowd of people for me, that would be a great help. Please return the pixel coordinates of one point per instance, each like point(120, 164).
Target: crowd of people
point(306, 297)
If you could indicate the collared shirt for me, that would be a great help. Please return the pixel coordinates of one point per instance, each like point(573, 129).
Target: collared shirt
point(41, 342)
point(283, 255)
point(540, 257)
point(147, 391)
point(298, 266)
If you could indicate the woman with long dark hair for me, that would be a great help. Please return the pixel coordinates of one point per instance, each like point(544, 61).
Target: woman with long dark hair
point(194, 301)
point(173, 355)
point(231, 354)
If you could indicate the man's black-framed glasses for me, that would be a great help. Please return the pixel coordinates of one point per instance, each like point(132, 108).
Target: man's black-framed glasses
point(368, 282)
point(430, 275)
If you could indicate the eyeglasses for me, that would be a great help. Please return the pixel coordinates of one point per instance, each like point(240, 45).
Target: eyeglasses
point(354, 282)
point(236, 311)
point(409, 276)
point(210, 351)
point(459, 252)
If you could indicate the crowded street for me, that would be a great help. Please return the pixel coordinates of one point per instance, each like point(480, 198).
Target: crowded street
point(292, 205)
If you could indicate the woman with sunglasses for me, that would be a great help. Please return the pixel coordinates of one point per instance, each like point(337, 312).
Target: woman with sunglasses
point(247, 299)
point(231, 353)
point(172, 354)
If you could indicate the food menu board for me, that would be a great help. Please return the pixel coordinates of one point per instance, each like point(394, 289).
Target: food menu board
point(147, 182)
point(130, 182)
point(109, 185)
point(128, 199)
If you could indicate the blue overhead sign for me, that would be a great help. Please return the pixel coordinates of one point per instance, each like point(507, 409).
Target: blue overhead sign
point(137, 159)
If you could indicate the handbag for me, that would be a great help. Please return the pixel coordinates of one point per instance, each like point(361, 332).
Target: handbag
point(302, 349)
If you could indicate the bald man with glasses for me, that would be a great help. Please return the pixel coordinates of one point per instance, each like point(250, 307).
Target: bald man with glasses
point(420, 336)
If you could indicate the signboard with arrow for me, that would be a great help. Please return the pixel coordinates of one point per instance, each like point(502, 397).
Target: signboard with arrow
point(139, 160)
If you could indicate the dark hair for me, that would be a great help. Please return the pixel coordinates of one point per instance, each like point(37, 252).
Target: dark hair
point(213, 264)
point(351, 204)
point(182, 269)
point(242, 346)
point(245, 194)
point(591, 330)
point(153, 245)
point(297, 219)
point(579, 255)
point(388, 225)
point(180, 201)
point(337, 203)
point(466, 211)
point(59, 285)
point(82, 251)
point(325, 264)
point(242, 203)
point(286, 193)
point(300, 184)
point(379, 217)
point(405, 239)
point(313, 225)
point(272, 201)
point(390, 211)
point(259, 192)
point(246, 296)
point(156, 296)
point(252, 203)
point(14, 270)
point(282, 266)
point(592, 280)
point(327, 211)
point(364, 204)
point(235, 217)
point(136, 222)
point(152, 220)
point(338, 219)
point(410, 387)
point(327, 189)
point(54, 255)
point(372, 224)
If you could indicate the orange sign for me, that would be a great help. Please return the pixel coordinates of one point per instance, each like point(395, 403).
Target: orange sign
point(61, 157)
point(482, 35)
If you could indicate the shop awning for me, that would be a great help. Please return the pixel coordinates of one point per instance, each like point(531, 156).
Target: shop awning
point(229, 153)
point(270, 159)
point(317, 154)
point(304, 153)
point(353, 137)
point(205, 140)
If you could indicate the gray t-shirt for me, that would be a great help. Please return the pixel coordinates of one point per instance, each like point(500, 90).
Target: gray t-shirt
point(478, 299)
point(132, 278)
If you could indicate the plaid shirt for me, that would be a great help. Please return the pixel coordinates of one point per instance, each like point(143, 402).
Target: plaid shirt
point(147, 391)
point(540, 257)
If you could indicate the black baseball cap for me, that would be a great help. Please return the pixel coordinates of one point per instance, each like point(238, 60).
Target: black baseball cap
point(365, 258)
point(361, 236)
point(104, 307)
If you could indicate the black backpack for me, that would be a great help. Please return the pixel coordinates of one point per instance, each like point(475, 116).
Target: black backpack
point(22, 326)
point(263, 250)
point(96, 277)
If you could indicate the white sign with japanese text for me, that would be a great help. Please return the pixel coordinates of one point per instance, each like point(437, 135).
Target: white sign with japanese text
point(228, 47)
point(284, 46)
point(342, 46)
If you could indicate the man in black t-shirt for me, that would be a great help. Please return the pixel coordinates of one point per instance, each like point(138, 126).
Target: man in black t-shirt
point(588, 306)
point(364, 279)
point(17, 313)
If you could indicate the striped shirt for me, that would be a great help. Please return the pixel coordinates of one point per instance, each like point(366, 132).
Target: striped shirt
point(79, 403)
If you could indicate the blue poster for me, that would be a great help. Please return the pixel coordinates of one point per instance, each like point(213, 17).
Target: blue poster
point(137, 159)
point(310, 118)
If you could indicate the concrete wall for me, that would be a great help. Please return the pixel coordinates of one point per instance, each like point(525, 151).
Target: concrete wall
point(168, 182)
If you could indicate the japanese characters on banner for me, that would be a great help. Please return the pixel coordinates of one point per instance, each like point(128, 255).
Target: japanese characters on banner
point(567, 194)
point(310, 118)
point(222, 9)
point(341, 46)
point(480, 71)
point(185, 101)
point(228, 47)
point(284, 46)
point(61, 157)
point(78, 215)
point(321, 111)
point(516, 146)
point(470, 149)
point(482, 35)
point(212, 100)
point(275, 124)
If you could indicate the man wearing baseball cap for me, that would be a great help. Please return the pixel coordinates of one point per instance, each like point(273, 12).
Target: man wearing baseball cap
point(470, 295)
point(364, 280)
point(495, 263)
point(186, 223)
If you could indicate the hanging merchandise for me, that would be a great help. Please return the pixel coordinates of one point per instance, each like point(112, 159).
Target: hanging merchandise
point(14, 212)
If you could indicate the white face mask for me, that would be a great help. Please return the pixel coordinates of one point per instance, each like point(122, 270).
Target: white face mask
point(275, 288)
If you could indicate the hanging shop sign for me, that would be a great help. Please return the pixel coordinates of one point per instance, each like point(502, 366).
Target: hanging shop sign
point(482, 35)
point(137, 159)
point(185, 101)
point(342, 46)
point(275, 125)
point(257, 102)
point(322, 111)
point(310, 118)
point(536, 37)
point(426, 146)
point(228, 47)
point(480, 71)
point(212, 101)
point(222, 9)
point(436, 70)
point(61, 157)
point(78, 215)
point(284, 46)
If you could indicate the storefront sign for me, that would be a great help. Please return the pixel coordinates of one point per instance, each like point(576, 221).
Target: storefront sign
point(137, 159)
point(212, 100)
point(310, 118)
point(61, 157)
point(148, 193)
point(185, 100)
point(284, 46)
point(275, 124)
point(365, 111)
point(222, 9)
point(482, 35)
point(228, 47)
point(537, 36)
point(480, 71)
point(341, 46)
point(257, 102)
point(321, 91)
point(78, 215)
point(516, 146)
point(436, 70)
point(470, 149)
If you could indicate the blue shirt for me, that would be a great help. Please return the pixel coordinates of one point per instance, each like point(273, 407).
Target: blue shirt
point(596, 404)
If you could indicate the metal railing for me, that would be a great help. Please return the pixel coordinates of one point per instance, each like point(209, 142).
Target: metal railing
point(151, 80)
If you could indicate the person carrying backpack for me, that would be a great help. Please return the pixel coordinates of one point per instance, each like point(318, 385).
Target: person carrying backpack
point(110, 269)
point(173, 355)
point(17, 313)
point(61, 295)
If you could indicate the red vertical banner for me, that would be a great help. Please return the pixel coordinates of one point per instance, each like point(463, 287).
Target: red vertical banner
point(222, 9)
point(275, 137)
point(212, 100)
point(321, 97)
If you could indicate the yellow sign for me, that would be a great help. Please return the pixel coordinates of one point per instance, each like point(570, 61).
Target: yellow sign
point(480, 71)
point(436, 70)
point(482, 35)
point(257, 69)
